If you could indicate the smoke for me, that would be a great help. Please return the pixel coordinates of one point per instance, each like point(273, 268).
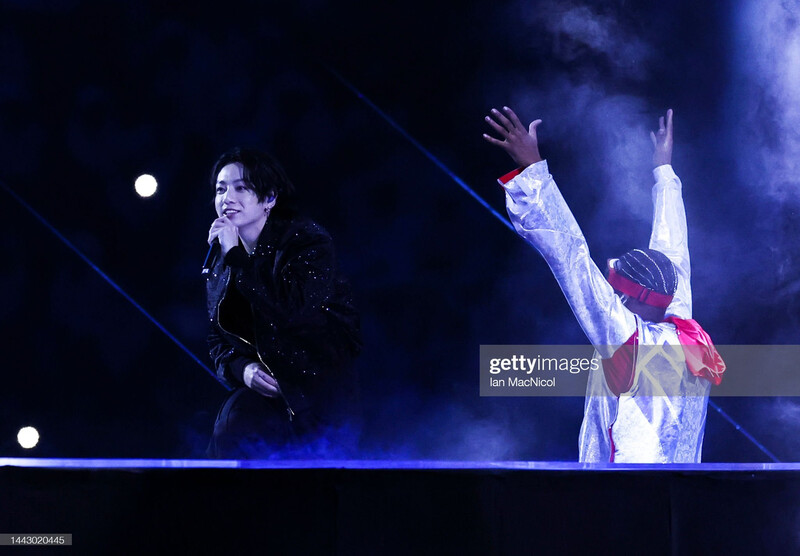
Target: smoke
point(592, 104)
point(780, 416)
point(436, 429)
point(578, 30)
point(767, 96)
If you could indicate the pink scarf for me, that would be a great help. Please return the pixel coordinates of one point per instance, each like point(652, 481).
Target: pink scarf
point(702, 358)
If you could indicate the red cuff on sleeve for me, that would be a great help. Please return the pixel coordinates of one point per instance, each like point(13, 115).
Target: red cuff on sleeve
point(504, 179)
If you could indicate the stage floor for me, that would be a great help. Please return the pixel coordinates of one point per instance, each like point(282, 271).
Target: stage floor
point(403, 507)
point(83, 463)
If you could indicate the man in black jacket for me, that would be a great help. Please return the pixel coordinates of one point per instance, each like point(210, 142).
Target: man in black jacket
point(283, 327)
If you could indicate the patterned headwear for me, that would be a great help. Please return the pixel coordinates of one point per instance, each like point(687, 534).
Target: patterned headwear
point(646, 275)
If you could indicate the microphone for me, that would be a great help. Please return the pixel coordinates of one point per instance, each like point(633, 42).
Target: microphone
point(213, 252)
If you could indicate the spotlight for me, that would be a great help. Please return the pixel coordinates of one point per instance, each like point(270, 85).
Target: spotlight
point(28, 437)
point(145, 185)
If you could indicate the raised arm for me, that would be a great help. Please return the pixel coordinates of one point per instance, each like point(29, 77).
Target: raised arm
point(541, 216)
point(669, 234)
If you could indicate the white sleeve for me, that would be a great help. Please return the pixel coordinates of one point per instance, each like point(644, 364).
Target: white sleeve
point(670, 236)
point(541, 216)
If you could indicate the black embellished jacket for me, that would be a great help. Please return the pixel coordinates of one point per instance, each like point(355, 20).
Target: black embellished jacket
point(286, 307)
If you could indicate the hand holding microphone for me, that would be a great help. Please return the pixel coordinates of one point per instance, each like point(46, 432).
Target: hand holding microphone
point(222, 237)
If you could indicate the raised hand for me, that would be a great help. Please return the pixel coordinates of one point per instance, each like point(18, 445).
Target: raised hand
point(662, 141)
point(520, 144)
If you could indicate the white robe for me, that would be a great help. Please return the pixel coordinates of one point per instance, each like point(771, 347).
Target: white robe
point(662, 418)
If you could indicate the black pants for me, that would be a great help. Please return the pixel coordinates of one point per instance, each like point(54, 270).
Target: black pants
point(251, 426)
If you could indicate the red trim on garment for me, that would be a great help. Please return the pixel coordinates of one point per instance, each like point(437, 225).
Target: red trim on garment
point(619, 368)
point(613, 448)
point(637, 291)
point(702, 358)
point(505, 178)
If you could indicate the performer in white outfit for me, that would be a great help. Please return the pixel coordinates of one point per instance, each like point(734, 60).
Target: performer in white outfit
point(648, 404)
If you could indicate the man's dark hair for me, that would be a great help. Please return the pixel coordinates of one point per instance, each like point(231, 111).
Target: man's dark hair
point(649, 268)
point(261, 171)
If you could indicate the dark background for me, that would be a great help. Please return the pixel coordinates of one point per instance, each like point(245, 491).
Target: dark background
point(92, 94)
